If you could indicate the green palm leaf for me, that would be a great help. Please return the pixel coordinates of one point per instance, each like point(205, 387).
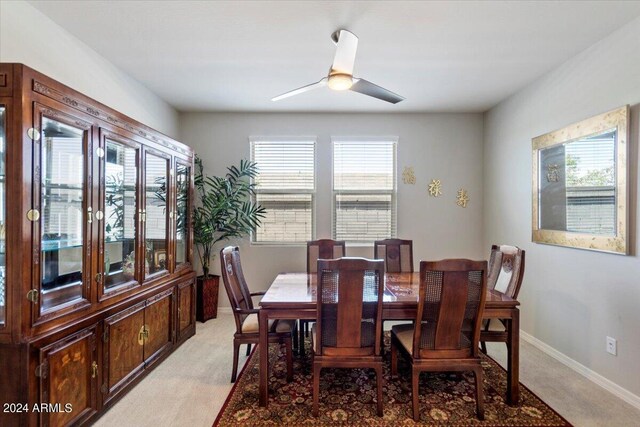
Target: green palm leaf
point(225, 209)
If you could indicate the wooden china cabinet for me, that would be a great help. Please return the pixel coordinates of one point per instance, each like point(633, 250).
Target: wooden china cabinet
point(96, 249)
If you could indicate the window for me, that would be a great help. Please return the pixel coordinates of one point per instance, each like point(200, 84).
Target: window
point(364, 189)
point(285, 187)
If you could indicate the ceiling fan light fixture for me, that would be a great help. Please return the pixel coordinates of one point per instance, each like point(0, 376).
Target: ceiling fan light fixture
point(340, 81)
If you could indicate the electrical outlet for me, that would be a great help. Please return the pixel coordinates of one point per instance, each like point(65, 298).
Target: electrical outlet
point(612, 346)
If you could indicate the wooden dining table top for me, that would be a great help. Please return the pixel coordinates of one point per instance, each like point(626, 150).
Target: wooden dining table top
point(298, 290)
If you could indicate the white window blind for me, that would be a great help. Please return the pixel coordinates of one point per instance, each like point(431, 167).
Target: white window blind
point(285, 187)
point(364, 190)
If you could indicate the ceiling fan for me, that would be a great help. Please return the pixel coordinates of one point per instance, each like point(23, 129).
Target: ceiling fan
point(341, 73)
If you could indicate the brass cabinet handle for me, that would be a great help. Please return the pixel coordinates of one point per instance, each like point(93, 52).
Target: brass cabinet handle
point(94, 369)
point(32, 296)
point(89, 215)
point(143, 334)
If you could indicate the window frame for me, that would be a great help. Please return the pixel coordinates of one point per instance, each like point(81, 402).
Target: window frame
point(313, 192)
point(394, 192)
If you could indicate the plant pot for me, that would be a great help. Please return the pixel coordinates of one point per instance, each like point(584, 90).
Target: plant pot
point(207, 298)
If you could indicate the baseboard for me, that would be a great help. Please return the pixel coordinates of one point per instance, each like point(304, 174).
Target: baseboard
point(603, 382)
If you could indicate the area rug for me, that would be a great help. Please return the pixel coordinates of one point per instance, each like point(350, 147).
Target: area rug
point(347, 397)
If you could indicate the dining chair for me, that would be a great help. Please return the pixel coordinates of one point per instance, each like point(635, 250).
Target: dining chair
point(445, 334)
point(396, 253)
point(323, 249)
point(347, 333)
point(506, 271)
point(318, 249)
point(246, 315)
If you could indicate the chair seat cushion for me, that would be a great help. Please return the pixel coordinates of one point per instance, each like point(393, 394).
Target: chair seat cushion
point(404, 334)
point(250, 325)
point(495, 325)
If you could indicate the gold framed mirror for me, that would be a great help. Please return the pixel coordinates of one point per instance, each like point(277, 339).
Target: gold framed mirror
point(580, 187)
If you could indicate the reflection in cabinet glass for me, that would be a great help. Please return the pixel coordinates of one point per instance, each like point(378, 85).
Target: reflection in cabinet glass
point(2, 214)
point(183, 174)
point(155, 214)
point(121, 180)
point(62, 193)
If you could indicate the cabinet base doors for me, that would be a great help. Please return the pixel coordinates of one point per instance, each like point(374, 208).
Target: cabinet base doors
point(133, 339)
point(123, 354)
point(158, 324)
point(68, 379)
point(186, 308)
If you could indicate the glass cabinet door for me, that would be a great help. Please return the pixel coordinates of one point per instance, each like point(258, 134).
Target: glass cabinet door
point(120, 205)
point(3, 264)
point(183, 220)
point(62, 227)
point(155, 214)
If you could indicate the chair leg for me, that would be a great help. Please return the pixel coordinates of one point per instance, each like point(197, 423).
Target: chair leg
point(316, 388)
point(236, 349)
point(296, 341)
point(415, 389)
point(483, 345)
point(289, 354)
point(382, 339)
point(306, 329)
point(303, 326)
point(379, 389)
point(479, 392)
point(394, 359)
point(248, 349)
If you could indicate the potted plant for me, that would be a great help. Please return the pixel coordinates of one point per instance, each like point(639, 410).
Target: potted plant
point(224, 211)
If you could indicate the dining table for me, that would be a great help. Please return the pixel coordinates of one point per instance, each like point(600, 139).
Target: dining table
point(293, 296)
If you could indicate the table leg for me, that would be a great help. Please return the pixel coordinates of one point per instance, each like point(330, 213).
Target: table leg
point(513, 358)
point(263, 322)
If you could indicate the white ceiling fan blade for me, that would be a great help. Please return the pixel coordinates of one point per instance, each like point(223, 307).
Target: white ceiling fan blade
point(367, 88)
point(322, 82)
point(345, 52)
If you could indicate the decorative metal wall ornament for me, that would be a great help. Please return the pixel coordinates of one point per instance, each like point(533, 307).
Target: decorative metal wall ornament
point(408, 176)
point(435, 188)
point(463, 198)
point(552, 173)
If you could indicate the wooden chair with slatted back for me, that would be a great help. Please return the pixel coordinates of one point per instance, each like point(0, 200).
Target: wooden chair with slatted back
point(447, 324)
point(246, 315)
point(347, 333)
point(396, 253)
point(506, 271)
point(323, 249)
point(318, 249)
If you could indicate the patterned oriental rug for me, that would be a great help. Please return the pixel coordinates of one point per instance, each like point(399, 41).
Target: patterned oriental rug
point(347, 397)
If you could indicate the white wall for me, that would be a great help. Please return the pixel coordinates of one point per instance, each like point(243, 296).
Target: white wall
point(442, 146)
point(571, 299)
point(29, 37)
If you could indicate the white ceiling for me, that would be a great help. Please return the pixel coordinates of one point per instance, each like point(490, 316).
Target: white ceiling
point(237, 55)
